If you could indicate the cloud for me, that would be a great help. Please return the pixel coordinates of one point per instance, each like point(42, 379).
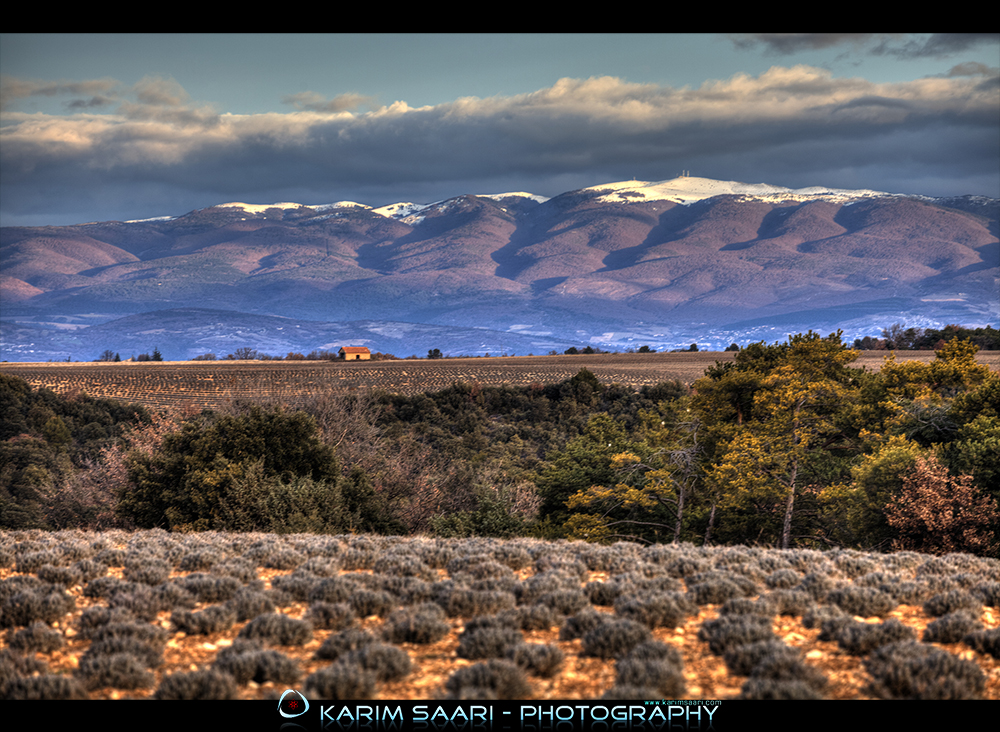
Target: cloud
point(101, 92)
point(902, 45)
point(789, 43)
point(159, 92)
point(317, 103)
point(972, 69)
point(793, 126)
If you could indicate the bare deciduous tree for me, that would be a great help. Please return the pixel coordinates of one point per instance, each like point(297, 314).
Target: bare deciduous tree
point(88, 499)
point(938, 513)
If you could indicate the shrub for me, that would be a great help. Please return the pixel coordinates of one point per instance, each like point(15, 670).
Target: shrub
point(150, 653)
point(788, 602)
point(247, 663)
point(115, 670)
point(247, 604)
point(467, 603)
point(284, 559)
point(531, 617)
point(715, 590)
point(580, 624)
point(816, 616)
point(762, 688)
point(236, 567)
point(37, 637)
point(94, 618)
point(728, 631)
point(89, 569)
point(745, 606)
point(487, 642)
point(783, 579)
point(788, 667)
point(619, 691)
point(330, 589)
point(500, 679)
point(614, 639)
point(741, 659)
point(341, 682)
point(210, 620)
point(664, 610)
point(331, 615)
point(403, 566)
point(605, 593)
point(211, 588)
point(387, 662)
point(372, 602)
point(661, 675)
point(278, 629)
point(565, 602)
point(206, 684)
point(62, 576)
point(424, 623)
point(47, 604)
point(200, 560)
point(989, 593)
point(951, 628)
point(343, 642)
point(948, 602)
point(859, 639)
point(816, 584)
point(866, 602)
point(147, 571)
point(984, 641)
point(102, 587)
point(654, 650)
point(14, 665)
point(140, 600)
point(919, 671)
point(31, 562)
point(537, 659)
point(42, 688)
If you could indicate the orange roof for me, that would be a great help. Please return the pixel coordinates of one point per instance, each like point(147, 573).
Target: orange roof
point(355, 349)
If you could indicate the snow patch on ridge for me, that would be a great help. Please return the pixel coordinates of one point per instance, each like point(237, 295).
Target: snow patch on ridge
point(518, 194)
point(258, 207)
point(686, 190)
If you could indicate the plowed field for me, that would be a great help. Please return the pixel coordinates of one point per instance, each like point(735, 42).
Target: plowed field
point(196, 385)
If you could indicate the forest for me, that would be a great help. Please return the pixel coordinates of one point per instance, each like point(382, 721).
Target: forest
point(787, 446)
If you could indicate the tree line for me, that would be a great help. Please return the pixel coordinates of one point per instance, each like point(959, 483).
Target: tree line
point(787, 445)
point(901, 338)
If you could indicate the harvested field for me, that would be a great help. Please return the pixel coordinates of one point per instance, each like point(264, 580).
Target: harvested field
point(919, 587)
point(197, 385)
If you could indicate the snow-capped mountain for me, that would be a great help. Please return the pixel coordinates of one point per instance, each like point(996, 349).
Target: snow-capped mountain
point(662, 263)
point(681, 190)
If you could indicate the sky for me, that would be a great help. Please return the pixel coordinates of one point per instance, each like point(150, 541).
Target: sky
point(129, 126)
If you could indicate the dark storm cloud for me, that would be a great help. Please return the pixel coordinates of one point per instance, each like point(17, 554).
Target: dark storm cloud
point(788, 43)
point(938, 45)
point(796, 126)
point(934, 45)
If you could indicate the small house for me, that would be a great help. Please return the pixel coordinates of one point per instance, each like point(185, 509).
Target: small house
point(354, 353)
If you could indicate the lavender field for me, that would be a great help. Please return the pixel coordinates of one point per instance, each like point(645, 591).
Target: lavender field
point(119, 615)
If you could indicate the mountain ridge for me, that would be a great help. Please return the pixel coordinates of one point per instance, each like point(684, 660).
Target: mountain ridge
point(685, 259)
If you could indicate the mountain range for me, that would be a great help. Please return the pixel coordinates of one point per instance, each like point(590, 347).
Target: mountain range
point(615, 266)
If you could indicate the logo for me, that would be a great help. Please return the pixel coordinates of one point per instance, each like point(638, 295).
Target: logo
point(293, 707)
